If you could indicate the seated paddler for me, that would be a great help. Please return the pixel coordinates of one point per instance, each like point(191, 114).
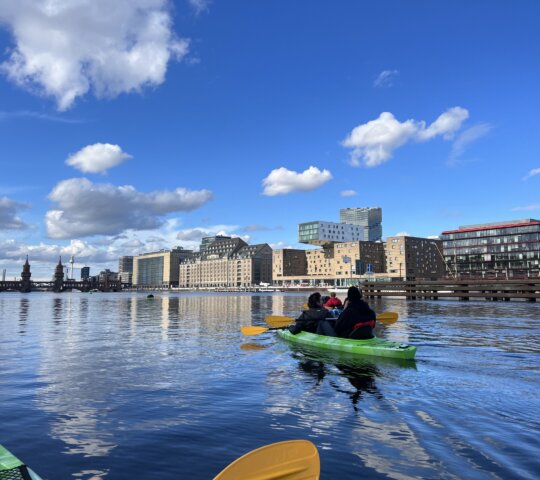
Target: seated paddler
point(314, 319)
point(357, 320)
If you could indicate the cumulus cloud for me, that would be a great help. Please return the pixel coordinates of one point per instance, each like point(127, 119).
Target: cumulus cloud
point(532, 173)
point(385, 78)
point(8, 214)
point(374, 142)
point(402, 234)
point(85, 208)
point(282, 181)
point(465, 138)
point(65, 49)
point(97, 158)
point(348, 193)
point(49, 253)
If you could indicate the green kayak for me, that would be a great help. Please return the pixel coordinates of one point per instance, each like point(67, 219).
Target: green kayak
point(11, 468)
point(376, 347)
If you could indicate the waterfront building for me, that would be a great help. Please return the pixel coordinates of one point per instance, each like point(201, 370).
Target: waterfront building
point(206, 241)
point(125, 269)
point(353, 259)
point(348, 263)
point(412, 258)
point(288, 262)
point(85, 273)
point(158, 269)
point(506, 249)
point(327, 233)
point(370, 218)
point(227, 262)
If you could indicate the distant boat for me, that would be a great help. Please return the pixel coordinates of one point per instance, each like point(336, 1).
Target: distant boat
point(338, 290)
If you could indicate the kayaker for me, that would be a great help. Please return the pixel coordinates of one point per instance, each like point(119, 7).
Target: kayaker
point(333, 302)
point(313, 319)
point(357, 321)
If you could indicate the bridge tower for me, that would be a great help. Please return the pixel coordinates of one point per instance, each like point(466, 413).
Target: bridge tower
point(26, 286)
point(58, 277)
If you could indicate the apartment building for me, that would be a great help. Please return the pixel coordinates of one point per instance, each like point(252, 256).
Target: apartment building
point(358, 258)
point(125, 269)
point(159, 269)
point(413, 258)
point(288, 262)
point(506, 249)
point(227, 262)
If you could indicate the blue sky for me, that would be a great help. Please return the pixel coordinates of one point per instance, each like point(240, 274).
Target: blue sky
point(155, 123)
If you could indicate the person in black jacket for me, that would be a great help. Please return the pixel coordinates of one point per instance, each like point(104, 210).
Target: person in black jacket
point(357, 321)
point(313, 319)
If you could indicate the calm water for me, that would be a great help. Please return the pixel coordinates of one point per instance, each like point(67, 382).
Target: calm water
point(116, 386)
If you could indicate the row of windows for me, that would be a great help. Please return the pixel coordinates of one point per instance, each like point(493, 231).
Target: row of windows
point(492, 232)
point(528, 237)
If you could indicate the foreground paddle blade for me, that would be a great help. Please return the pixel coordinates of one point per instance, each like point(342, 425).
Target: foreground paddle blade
point(291, 460)
point(278, 321)
point(387, 317)
point(248, 331)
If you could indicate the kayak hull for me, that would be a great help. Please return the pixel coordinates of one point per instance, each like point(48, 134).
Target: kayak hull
point(375, 347)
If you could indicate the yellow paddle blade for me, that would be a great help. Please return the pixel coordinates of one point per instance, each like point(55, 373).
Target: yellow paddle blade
point(278, 320)
point(248, 331)
point(387, 317)
point(291, 460)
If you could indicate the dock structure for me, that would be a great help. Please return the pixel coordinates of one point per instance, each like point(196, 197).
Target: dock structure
point(494, 290)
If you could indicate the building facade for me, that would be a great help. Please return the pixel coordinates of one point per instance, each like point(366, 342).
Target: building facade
point(370, 218)
point(412, 258)
point(159, 269)
point(85, 273)
point(227, 262)
point(125, 270)
point(326, 233)
point(352, 259)
point(508, 249)
point(288, 262)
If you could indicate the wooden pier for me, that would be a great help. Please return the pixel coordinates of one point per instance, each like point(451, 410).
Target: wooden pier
point(493, 290)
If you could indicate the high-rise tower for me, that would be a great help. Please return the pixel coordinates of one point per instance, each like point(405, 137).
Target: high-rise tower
point(370, 218)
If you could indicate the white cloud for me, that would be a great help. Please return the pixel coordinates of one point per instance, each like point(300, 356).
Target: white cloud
point(385, 78)
point(280, 245)
point(97, 158)
point(402, 234)
point(85, 208)
point(66, 48)
point(465, 138)
point(374, 142)
point(527, 208)
point(8, 214)
point(348, 193)
point(532, 173)
point(199, 5)
point(282, 181)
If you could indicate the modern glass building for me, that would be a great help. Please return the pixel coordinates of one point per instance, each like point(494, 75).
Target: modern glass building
point(326, 233)
point(370, 218)
point(509, 249)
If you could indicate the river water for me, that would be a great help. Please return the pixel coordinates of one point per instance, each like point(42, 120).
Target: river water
point(117, 386)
